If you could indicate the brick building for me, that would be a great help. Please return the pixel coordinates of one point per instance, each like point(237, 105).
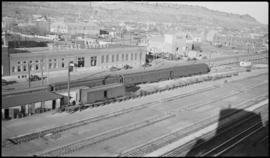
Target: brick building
point(58, 59)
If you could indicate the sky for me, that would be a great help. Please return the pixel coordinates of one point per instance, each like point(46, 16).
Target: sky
point(258, 10)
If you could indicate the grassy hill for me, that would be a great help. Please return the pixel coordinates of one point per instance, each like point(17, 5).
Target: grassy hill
point(131, 11)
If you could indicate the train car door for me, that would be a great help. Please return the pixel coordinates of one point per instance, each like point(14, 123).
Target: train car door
point(105, 94)
point(171, 75)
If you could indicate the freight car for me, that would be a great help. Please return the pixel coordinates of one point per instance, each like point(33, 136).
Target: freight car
point(138, 77)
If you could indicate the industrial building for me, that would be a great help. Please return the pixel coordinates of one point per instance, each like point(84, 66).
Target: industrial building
point(25, 104)
point(46, 59)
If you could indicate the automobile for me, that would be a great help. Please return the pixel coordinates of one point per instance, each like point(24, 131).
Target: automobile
point(36, 78)
point(127, 67)
point(114, 68)
point(146, 65)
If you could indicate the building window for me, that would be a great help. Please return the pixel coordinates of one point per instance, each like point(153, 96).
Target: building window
point(24, 62)
point(13, 68)
point(55, 60)
point(63, 62)
point(37, 61)
point(131, 58)
point(54, 65)
point(30, 61)
point(123, 57)
point(37, 67)
point(117, 57)
point(24, 67)
point(19, 62)
point(126, 57)
point(135, 56)
point(19, 68)
point(107, 58)
point(93, 61)
point(50, 65)
point(112, 58)
point(80, 61)
point(102, 59)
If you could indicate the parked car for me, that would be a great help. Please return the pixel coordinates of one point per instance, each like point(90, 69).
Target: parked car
point(146, 65)
point(128, 67)
point(114, 69)
point(36, 78)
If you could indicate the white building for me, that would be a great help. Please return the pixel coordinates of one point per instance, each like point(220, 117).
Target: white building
point(58, 27)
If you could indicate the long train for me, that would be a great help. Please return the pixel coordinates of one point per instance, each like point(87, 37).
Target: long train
point(138, 77)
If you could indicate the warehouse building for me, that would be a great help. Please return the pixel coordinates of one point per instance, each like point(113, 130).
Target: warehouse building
point(25, 104)
point(49, 59)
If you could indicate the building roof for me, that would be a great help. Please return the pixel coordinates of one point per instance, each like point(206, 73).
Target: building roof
point(70, 51)
point(28, 98)
point(105, 87)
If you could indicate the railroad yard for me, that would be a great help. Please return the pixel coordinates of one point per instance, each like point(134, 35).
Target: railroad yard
point(135, 79)
point(155, 124)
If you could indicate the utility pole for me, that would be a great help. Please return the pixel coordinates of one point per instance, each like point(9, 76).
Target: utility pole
point(47, 71)
point(68, 83)
point(42, 64)
point(29, 69)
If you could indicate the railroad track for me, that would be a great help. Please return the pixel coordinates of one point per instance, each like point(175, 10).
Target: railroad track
point(81, 144)
point(35, 135)
point(86, 142)
point(198, 150)
point(178, 134)
point(235, 140)
point(31, 136)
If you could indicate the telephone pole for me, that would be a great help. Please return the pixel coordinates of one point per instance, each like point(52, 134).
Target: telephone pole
point(68, 83)
point(29, 79)
point(42, 64)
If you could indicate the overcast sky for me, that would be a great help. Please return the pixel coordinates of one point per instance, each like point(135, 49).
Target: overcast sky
point(258, 10)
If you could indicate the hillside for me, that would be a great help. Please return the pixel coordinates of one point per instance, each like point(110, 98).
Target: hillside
point(131, 11)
